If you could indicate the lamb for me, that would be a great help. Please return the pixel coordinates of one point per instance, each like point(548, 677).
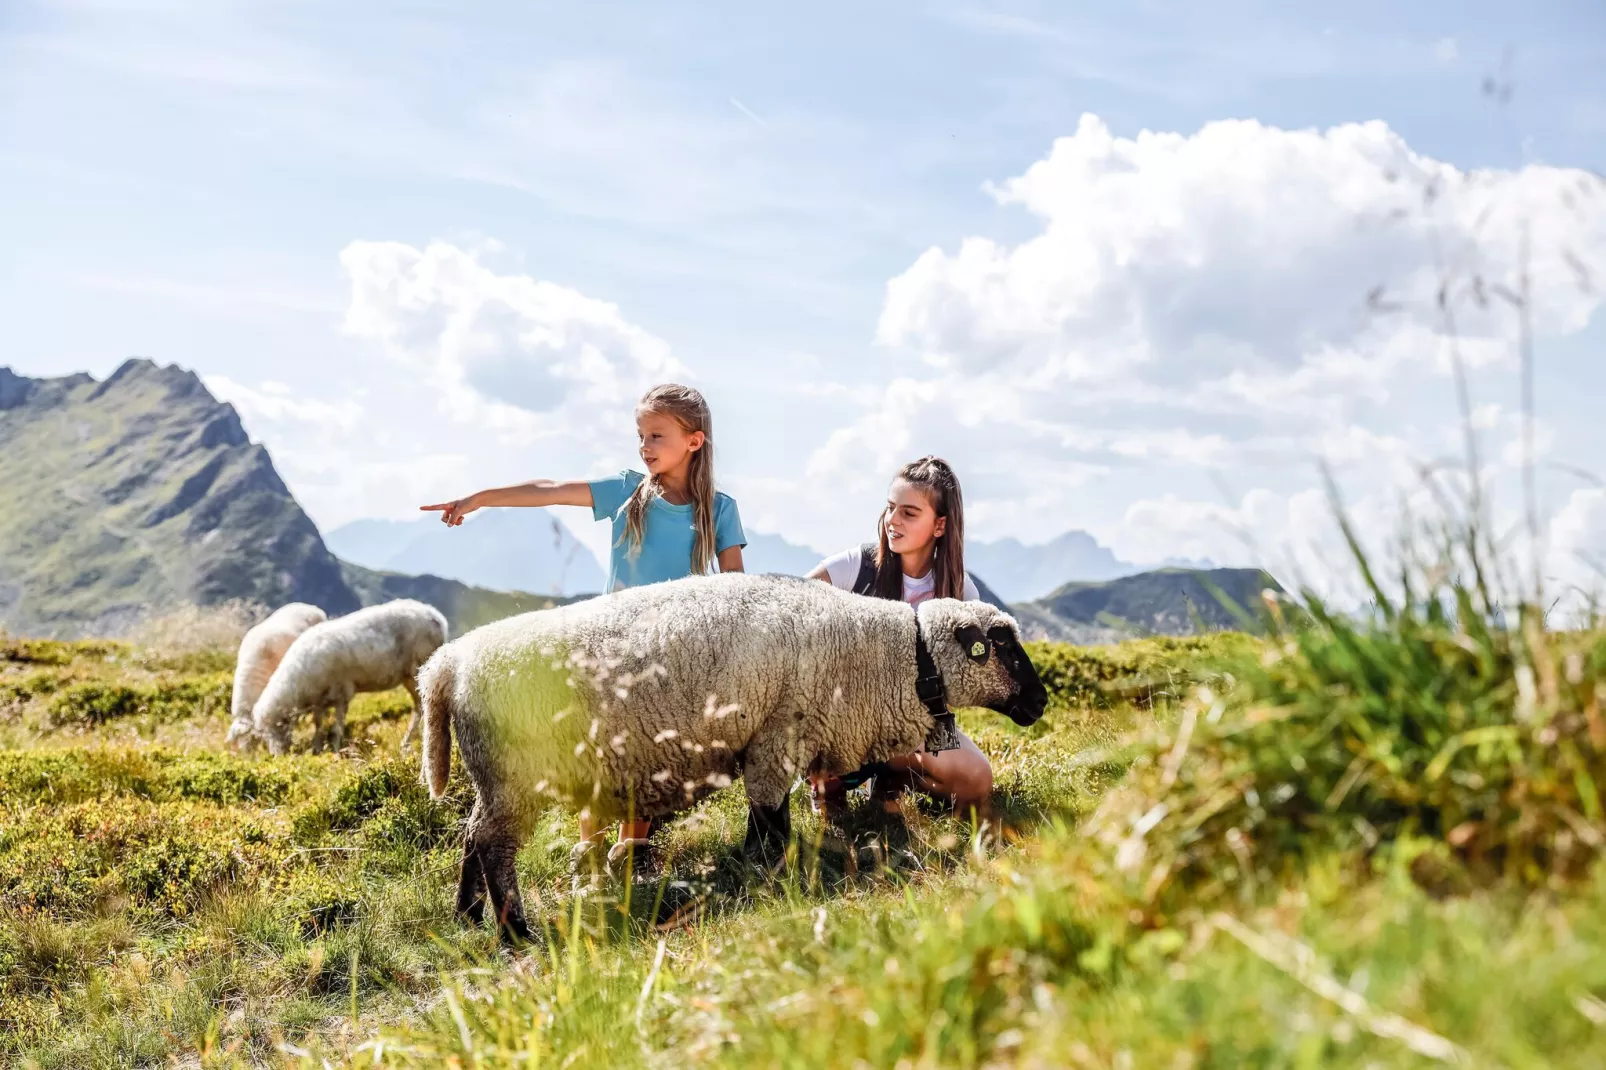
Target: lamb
point(261, 650)
point(373, 649)
point(644, 701)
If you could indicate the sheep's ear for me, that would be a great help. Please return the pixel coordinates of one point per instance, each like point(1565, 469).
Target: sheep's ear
point(973, 642)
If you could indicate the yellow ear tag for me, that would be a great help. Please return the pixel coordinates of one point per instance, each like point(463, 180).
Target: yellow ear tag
point(978, 648)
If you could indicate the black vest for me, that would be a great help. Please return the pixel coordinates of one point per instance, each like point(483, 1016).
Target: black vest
point(865, 583)
point(928, 682)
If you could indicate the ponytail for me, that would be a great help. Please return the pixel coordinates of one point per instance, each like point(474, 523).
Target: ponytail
point(937, 479)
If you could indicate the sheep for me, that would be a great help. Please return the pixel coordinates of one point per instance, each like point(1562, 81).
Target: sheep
point(373, 649)
point(261, 650)
point(643, 701)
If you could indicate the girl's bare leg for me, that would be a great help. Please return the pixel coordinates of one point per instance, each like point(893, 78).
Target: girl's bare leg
point(963, 777)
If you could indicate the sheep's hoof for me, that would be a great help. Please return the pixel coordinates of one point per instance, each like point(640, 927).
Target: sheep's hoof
point(633, 859)
point(515, 933)
point(887, 848)
point(765, 860)
point(587, 866)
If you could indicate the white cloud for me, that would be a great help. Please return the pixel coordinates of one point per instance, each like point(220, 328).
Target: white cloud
point(1445, 50)
point(274, 402)
point(530, 357)
point(1243, 299)
point(1576, 559)
point(1241, 248)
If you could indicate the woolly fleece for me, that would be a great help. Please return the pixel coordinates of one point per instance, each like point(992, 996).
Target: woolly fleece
point(261, 650)
point(373, 649)
point(645, 700)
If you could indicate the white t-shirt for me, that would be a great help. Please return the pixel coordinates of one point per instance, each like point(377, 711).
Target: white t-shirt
point(843, 569)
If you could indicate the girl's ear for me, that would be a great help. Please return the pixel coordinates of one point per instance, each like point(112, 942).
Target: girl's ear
point(939, 528)
point(695, 441)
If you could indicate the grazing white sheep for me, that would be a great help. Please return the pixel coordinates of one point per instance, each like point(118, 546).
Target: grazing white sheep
point(261, 650)
point(373, 649)
point(643, 701)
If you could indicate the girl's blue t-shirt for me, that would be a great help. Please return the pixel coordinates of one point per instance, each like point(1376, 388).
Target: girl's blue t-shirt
point(666, 540)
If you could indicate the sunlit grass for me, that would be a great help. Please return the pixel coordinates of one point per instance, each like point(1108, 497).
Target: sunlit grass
point(176, 899)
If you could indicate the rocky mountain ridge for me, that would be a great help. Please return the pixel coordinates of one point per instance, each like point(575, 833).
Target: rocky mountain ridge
point(141, 492)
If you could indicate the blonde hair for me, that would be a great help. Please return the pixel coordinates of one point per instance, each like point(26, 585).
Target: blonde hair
point(687, 407)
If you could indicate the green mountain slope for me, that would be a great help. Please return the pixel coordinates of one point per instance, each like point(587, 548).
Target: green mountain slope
point(1170, 601)
point(143, 492)
point(465, 607)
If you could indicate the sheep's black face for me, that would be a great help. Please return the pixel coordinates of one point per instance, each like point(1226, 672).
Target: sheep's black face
point(1012, 687)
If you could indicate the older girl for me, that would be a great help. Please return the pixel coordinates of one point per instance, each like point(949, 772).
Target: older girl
point(920, 554)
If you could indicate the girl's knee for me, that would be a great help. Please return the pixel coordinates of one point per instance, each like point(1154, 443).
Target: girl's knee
point(974, 781)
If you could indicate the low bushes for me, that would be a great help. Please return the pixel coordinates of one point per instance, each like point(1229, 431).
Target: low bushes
point(68, 776)
point(56, 651)
point(95, 702)
point(157, 858)
point(1138, 672)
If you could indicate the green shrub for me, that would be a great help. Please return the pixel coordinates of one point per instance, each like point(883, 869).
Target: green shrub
point(1139, 671)
point(405, 826)
point(228, 780)
point(22, 689)
point(394, 780)
point(67, 776)
point(160, 858)
point(53, 651)
point(95, 702)
point(319, 902)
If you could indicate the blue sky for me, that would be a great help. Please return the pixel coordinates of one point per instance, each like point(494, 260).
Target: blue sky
point(727, 192)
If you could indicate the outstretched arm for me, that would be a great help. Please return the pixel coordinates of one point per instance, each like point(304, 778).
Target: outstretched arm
point(536, 492)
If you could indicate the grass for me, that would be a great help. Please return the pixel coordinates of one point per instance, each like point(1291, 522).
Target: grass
point(1183, 882)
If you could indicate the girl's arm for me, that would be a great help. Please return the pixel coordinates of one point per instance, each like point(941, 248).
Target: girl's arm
point(820, 573)
point(534, 493)
point(730, 559)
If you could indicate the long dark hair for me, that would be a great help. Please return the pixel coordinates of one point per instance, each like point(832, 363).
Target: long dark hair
point(932, 475)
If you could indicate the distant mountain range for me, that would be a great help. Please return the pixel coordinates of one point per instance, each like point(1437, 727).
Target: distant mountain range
point(1021, 572)
point(143, 492)
point(531, 550)
point(503, 549)
point(1170, 601)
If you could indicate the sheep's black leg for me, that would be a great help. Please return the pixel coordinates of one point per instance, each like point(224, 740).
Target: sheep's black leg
point(768, 830)
point(471, 886)
point(496, 855)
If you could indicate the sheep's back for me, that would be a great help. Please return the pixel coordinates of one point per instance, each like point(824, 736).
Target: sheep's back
point(263, 648)
point(702, 662)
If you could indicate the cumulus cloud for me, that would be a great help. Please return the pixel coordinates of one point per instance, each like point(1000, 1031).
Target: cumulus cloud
point(1240, 248)
point(1241, 302)
point(1576, 554)
point(526, 356)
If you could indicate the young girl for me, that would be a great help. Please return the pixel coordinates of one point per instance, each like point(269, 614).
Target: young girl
point(920, 555)
point(667, 523)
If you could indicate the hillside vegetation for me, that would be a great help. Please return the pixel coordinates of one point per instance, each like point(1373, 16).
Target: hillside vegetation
point(143, 491)
point(1352, 844)
point(136, 495)
point(1167, 601)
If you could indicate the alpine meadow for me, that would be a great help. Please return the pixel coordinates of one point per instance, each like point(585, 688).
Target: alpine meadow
point(1271, 376)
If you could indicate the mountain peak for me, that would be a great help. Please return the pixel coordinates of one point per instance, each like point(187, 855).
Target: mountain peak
point(152, 495)
point(14, 389)
point(179, 382)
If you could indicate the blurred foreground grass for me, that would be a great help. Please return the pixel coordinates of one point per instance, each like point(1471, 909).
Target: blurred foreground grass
point(1362, 842)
